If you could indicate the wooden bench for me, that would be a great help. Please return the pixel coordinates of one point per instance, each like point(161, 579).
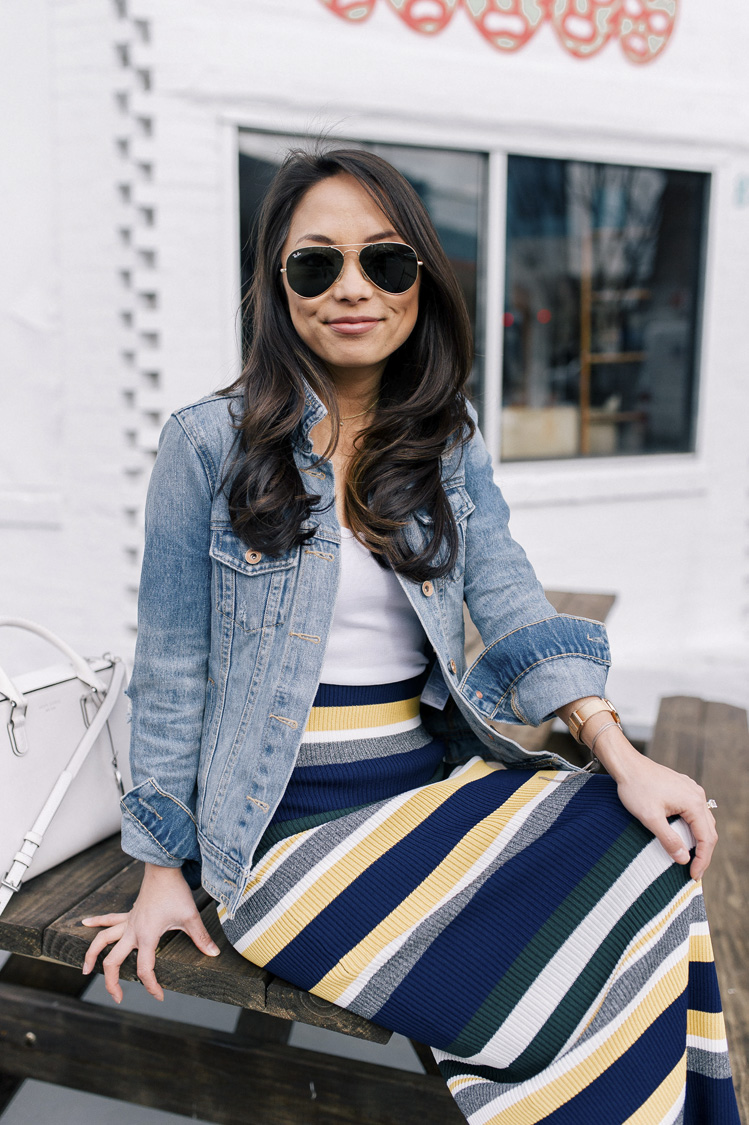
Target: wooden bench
point(252, 1076)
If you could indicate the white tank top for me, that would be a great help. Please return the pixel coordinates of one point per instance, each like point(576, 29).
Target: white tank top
point(375, 635)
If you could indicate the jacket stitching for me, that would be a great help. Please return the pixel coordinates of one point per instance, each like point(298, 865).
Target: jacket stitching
point(206, 464)
point(320, 554)
point(289, 722)
point(307, 637)
point(147, 806)
point(172, 798)
point(517, 711)
point(545, 660)
point(255, 801)
point(143, 828)
point(529, 625)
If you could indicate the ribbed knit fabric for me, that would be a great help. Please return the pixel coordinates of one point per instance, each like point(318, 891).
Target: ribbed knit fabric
point(361, 744)
point(523, 924)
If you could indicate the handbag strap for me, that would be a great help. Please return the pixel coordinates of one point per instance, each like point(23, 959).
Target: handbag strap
point(35, 835)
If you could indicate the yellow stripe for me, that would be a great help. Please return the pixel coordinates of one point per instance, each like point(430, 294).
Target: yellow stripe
point(371, 715)
point(708, 1025)
point(558, 1092)
point(348, 868)
point(664, 1098)
point(441, 880)
point(260, 871)
point(700, 947)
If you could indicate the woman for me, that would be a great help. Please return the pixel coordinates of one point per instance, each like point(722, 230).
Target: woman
point(308, 744)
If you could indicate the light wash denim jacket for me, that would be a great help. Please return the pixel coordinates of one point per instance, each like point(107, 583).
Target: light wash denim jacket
point(231, 643)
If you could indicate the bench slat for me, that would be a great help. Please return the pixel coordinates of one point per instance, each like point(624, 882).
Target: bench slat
point(45, 897)
point(292, 1003)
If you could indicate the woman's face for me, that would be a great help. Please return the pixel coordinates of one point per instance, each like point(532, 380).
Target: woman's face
point(353, 326)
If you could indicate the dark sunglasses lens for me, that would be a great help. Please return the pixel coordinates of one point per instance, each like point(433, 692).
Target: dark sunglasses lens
point(313, 269)
point(390, 266)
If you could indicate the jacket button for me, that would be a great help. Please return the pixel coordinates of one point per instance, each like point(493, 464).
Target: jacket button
point(253, 556)
point(453, 668)
point(427, 589)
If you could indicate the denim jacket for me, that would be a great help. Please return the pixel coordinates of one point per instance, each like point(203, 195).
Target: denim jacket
point(231, 643)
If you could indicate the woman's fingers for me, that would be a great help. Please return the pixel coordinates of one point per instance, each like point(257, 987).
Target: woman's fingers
point(702, 823)
point(103, 938)
point(104, 919)
point(195, 929)
point(111, 965)
point(146, 970)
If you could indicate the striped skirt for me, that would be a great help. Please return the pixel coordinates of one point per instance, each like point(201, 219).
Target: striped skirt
point(523, 925)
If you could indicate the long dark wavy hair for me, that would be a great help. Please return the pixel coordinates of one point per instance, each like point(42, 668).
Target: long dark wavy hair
point(421, 412)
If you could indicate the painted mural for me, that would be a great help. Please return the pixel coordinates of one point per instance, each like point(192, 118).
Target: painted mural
point(584, 27)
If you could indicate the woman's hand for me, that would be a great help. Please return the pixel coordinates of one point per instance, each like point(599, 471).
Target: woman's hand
point(653, 792)
point(164, 902)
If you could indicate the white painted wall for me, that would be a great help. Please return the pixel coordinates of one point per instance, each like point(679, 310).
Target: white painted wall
point(668, 534)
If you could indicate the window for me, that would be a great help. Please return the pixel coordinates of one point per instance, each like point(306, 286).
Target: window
point(603, 269)
point(602, 294)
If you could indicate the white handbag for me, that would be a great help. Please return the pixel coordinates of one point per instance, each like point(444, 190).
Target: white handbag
point(64, 760)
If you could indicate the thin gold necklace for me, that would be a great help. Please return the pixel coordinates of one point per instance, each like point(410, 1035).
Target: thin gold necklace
point(348, 417)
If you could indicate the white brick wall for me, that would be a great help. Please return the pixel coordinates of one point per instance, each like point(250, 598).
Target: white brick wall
point(120, 297)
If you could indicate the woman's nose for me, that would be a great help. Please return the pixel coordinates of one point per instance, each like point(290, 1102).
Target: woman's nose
point(352, 284)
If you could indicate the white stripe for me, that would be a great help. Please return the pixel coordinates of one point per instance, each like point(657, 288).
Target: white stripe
point(497, 845)
point(351, 734)
point(320, 868)
point(676, 1108)
point(563, 1065)
point(627, 960)
point(716, 1046)
point(700, 929)
point(559, 974)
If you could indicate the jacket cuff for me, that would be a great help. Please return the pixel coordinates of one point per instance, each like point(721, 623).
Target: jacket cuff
point(527, 674)
point(157, 828)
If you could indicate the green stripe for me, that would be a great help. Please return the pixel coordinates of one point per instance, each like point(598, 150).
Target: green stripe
point(571, 1009)
point(548, 939)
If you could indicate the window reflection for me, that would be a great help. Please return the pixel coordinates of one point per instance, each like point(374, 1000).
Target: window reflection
point(602, 288)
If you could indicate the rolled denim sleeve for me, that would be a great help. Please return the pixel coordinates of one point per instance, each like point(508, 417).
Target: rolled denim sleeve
point(168, 684)
point(534, 660)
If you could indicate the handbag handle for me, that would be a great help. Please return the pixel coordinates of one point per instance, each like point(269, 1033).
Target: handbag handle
point(82, 669)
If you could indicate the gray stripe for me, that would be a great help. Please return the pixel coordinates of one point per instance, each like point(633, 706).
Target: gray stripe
point(378, 990)
point(292, 869)
point(356, 749)
point(709, 1063)
point(635, 978)
point(470, 1099)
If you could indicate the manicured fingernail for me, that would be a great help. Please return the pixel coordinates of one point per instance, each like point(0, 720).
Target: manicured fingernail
point(213, 950)
point(86, 921)
point(682, 856)
point(117, 999)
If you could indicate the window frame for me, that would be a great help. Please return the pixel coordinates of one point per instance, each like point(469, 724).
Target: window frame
point(529, 483)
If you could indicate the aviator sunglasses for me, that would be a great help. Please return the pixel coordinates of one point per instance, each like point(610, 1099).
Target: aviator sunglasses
point(391, 266)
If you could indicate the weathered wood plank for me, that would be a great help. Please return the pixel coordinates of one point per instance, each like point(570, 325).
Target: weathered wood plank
point(710, 742)
point(202, 1073)
point(259, 1026)
point(32, 972)
point(54, 892)
point(291, 1003)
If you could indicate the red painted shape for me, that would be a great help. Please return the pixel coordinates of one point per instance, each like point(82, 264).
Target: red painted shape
point(582, 26)
point(585, 26)
point(354, 10)
point(426, 16)
point(507, 24)
point(646, 28)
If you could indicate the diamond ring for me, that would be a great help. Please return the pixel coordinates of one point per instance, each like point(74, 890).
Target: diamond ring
point(711, 804)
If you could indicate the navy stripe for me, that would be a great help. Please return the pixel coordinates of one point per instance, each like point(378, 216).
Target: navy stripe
point(340, 695)
point(630, 1081)
point(313, 789)
point(511, 894)
point(704, 994)
point(391, 878)
point(710, 1100)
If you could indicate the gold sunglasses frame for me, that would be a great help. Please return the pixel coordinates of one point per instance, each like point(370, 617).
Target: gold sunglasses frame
point(348, 248)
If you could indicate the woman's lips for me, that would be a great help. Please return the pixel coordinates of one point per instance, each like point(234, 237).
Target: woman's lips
point(353, 326)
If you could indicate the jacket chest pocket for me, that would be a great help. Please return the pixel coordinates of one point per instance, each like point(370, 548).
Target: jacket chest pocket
point(251, 588)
